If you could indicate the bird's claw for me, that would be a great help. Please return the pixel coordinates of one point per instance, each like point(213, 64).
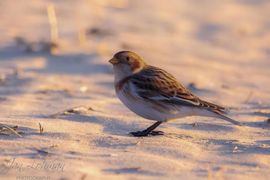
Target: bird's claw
point(144, 133)
point(156, 133)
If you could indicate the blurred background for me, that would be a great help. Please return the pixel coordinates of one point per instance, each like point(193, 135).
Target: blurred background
point(56, 86)
point(187, 37)
point(235, 29)
point(209, 44)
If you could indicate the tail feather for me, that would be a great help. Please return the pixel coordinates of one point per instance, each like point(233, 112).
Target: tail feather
point(230, 120)
point(218, 111)
point(214, 107)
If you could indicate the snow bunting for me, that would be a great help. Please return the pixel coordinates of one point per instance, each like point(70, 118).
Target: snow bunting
point(155, 94)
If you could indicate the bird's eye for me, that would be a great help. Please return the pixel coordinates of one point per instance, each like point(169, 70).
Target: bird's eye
point(127, 58)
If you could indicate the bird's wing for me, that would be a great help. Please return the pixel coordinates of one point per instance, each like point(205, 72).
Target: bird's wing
point(157, 85)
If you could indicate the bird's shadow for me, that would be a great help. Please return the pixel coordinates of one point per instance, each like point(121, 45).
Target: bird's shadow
point(113, 126)
point(203, 126)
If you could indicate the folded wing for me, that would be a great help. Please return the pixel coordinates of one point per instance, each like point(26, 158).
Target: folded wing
point(158, 86)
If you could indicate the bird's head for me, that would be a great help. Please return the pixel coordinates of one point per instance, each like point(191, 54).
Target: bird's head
point(126, 63)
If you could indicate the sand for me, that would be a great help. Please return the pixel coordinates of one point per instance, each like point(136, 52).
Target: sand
point(72, 126)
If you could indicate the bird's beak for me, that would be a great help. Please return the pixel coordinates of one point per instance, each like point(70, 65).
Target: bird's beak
point(114, 61)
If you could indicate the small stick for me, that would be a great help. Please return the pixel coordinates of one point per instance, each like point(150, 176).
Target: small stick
point(40, 129)
point(250, 94)
point(11, 130)
point(53, 22)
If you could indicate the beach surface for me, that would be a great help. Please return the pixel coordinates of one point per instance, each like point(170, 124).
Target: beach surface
point(60, 117)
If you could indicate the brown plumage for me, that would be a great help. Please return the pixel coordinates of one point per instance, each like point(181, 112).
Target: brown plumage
point(159, 82)
point(155, 94)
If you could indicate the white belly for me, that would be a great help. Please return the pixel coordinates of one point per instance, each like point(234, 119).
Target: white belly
point(141, 108)
point(146, 109)
point(151, 111)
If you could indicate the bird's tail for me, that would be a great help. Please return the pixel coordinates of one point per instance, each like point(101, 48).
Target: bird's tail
point(230, 120)
point(219, 111)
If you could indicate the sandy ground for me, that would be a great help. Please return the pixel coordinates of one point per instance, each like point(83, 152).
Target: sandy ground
point(219, 49)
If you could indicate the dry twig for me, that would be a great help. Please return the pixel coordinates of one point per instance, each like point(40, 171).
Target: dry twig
point(11, 130)
point(41, 130)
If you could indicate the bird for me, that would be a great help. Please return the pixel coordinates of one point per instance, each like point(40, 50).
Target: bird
point(155, 94)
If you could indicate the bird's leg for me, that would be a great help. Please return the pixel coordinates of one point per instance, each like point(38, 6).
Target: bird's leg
point(148, 131)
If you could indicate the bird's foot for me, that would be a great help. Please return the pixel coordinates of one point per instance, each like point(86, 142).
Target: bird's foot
point(146, 133)
point(156, 133)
